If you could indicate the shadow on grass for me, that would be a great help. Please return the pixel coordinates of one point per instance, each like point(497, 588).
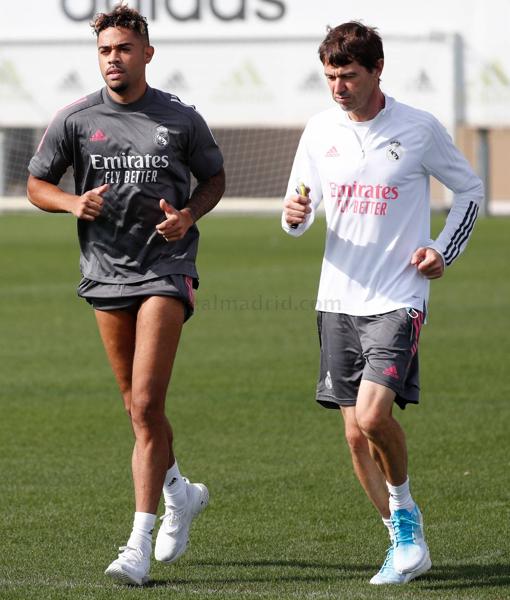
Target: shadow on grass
point(441, 577)
point(300, 564)
point(271, 571)
point(445, 577)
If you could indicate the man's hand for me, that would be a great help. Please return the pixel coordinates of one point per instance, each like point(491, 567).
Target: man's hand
point(295, 209)
point(176, 224)
point(89, 206)
point(428, 262)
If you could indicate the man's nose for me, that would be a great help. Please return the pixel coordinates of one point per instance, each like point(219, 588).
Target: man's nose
point(114, 56)
point(339, 86)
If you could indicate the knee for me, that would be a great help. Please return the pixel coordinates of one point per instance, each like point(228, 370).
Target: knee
point(356, 440)
point(145, 414)
point(371, 424)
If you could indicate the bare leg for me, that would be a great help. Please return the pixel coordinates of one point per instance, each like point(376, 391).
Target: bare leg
point(374, 417)
point(141, 349)
point(365, 464)
point(118, 332)
point(158, 330)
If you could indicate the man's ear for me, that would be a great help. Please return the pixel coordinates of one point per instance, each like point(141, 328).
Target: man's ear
point(149, 53)
point(379, 67)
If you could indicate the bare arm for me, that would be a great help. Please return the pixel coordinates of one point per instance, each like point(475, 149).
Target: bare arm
point(51, 198)
point(206, 195)
point(204, 198)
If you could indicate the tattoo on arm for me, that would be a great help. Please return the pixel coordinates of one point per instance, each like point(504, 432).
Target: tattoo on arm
point(206, 195)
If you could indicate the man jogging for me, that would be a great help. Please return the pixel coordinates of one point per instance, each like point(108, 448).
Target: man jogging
point(133, 149)
point(369, 158)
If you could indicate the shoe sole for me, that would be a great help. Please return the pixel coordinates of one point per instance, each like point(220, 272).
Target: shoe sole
point(425, 566)
point(120, 576)
point(199, 504)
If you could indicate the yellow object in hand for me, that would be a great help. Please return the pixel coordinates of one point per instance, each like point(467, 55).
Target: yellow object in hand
point(301, 190)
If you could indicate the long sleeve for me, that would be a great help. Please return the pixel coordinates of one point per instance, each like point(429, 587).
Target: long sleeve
point(444, 161)
point(303, 171)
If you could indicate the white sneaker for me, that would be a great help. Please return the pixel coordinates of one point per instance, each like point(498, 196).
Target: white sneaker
point(132, 567)
point(173, 535)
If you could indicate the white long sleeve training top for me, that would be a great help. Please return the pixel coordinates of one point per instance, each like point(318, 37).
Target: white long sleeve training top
point(374, 180)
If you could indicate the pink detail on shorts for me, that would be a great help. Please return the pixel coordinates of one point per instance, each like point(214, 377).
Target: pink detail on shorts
point(191, 292)
point(417, 324)
point(391, 372)
point(98, 136)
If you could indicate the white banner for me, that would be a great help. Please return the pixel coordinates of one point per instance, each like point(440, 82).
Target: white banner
point(244, 83)
point(255, 61)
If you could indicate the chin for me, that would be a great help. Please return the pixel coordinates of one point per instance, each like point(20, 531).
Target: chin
point(118, 88)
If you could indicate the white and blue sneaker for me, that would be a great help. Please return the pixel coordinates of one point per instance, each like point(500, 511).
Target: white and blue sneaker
point(411, 551)
point(388, 575)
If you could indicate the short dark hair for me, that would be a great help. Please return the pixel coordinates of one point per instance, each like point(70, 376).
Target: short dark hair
point(350, 42)
point(122, 16)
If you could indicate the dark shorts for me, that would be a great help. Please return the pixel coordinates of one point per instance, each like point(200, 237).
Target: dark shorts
point(129, 296)
point(381, 348)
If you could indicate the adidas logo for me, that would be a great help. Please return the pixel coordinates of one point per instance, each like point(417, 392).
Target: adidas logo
point(332, 152)
point(72, 81)
point(391, 372)
point(99, 136)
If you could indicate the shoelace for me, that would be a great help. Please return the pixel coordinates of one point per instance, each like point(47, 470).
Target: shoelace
point(173, 517)
point(130, 554)
point(388, 561)
point(403, 528)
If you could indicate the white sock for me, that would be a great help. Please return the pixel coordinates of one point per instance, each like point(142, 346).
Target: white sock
point(143, 526)
point(389, 527)
point(174, 488)
point(400, 496)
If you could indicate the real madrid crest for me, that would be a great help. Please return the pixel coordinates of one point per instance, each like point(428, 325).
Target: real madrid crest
point(161, 136)
point(394, 150)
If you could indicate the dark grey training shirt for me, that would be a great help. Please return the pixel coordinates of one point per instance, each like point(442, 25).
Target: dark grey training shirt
point(145, 151)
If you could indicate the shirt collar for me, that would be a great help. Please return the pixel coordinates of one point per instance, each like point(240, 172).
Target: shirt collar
point(133, 106)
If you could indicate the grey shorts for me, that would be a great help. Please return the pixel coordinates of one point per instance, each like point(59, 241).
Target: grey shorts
point(381, 348)
point(129, 296)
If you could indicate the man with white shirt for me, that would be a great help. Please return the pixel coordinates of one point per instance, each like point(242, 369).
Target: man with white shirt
point(369, 158)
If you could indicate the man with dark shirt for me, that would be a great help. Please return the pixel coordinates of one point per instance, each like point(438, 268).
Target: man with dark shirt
point(133, 149)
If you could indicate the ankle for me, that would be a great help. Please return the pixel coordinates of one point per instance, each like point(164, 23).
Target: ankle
point(400, 496)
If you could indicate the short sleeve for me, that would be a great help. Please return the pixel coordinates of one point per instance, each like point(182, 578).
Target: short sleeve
point(205, 157)
point(53, 156)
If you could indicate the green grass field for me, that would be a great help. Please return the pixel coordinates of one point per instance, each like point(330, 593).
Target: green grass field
point(287, 518)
